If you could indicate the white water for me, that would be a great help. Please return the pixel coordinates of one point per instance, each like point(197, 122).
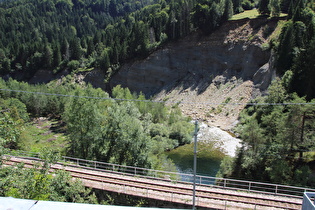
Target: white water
point(222, 139)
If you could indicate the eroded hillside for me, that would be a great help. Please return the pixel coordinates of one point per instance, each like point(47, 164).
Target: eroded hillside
point(229, 66)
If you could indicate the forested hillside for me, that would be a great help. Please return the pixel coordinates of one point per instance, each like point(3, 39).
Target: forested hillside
point(82, 35)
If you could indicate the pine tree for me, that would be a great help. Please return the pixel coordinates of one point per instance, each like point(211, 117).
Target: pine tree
point(75, 49)
point(47, 57)
point(104, 61)
point(90, 47)
point(237, 6)
point(5, 66)
point(228, 10)
point(263, 7)
point(274, 7)
point(65, 49)
point(56, 56)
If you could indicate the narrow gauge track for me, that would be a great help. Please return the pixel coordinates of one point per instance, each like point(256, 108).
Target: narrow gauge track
point(206, 195)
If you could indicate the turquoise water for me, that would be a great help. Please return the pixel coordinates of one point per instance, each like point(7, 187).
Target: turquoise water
point(208, 160)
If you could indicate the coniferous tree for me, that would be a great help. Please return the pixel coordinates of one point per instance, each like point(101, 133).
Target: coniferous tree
point(5, 66)
point(56, 56)
point(237, 6)
point(274, 7)
point(75, 49)
point(228, 10)
point(65, 52)
point(285, 4)
point(90, 47)
point(47, 57)
point(104, 61)
point(263, 7)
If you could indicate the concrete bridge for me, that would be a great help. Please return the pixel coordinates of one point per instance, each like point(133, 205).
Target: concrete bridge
point(211, 192)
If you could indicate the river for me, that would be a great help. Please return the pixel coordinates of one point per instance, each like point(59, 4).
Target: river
point(213, 145)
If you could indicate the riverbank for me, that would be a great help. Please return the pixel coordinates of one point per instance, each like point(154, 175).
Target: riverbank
point(213, 145)
point(220, 139)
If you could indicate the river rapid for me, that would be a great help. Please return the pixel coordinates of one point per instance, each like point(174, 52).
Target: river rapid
point(213, 145)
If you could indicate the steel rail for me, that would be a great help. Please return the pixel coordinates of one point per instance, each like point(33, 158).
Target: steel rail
point(169, 183)
point(223, 183)
point(186, 191)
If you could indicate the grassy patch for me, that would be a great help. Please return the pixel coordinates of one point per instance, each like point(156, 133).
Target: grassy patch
point(83, 70)
point(219, 109)
point(251, 14)
point(276, 33)
point(246, 14)
point(309, 155)
point(227, 100)
point(43, 134)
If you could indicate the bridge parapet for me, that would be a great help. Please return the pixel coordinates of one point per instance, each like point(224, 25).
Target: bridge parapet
point(214, 182)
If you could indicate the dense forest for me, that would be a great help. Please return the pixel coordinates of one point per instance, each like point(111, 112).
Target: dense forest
point(125, 128)
point(83, 35)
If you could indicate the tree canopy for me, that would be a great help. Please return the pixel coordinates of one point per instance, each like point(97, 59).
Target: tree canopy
point(126, 131)
point(295, 49)
point(38, 184)
point(276, 140)
point(84, 34)
point(81, 35)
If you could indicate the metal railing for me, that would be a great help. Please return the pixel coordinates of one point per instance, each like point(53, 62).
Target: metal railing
point(232, 184)
point(215, 182)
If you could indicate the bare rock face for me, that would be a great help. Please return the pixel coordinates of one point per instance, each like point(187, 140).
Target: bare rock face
point(197, 60)
point(211, 78)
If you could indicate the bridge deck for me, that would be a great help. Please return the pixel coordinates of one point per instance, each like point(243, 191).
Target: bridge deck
point(168, 190)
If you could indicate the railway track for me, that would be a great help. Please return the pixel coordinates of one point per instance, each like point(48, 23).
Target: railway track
point(206, 197)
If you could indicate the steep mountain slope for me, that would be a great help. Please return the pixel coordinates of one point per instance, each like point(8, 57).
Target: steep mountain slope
point(199, 72)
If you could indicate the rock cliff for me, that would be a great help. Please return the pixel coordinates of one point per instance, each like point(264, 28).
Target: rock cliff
point(201, 72)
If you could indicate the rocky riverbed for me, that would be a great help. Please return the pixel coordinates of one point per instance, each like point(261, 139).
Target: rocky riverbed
point(221, 140)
